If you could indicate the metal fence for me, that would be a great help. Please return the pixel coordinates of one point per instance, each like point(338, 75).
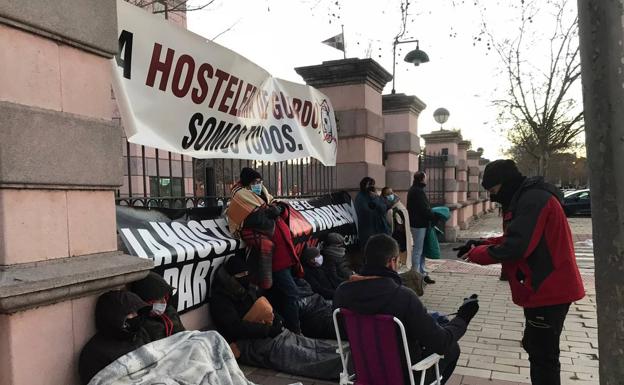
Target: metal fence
point(435, 166)
point(157, 179)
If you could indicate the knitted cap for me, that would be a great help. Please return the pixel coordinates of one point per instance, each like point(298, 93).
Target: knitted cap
point(499, 172)
point(248, 175)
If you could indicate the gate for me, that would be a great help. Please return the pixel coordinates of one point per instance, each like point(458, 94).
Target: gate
point(156, 178)
point(434, 166)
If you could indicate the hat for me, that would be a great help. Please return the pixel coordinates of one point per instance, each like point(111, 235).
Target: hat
point(235, 265)
point(499, 172)
point(248, 175)
point(310, 253)
point(334, 239)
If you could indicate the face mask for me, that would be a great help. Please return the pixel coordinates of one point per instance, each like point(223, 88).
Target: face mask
point(319, 260)
point(158, 308)
point(390, 198)
point(256, 188)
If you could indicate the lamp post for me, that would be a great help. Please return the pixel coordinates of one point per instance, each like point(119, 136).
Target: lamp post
point(415, 57)
point(441, 115)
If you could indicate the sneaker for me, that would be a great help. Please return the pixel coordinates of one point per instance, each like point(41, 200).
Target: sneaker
point(428, 280)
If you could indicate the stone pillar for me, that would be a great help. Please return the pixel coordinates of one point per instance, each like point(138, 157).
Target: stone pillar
point(446, 143)
point(60, 161)
point(474, 183)
point(600, 36)
point(354, 87)
point(402, 144)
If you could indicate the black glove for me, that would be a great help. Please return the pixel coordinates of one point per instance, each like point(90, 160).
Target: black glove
point(466, 248)
point(274, 211)
point(276, 327)
point(469, 308)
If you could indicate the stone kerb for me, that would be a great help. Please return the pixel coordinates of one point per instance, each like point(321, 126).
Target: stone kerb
point(354, 87)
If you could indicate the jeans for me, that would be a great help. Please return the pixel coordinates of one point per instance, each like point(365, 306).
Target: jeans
point(286, 290)
point(541, 342)
point(418, 260)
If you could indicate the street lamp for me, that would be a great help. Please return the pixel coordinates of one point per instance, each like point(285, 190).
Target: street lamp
point(415, 57)
point(441, 115)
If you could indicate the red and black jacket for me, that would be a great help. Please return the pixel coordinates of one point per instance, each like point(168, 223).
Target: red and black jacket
point(536, 250)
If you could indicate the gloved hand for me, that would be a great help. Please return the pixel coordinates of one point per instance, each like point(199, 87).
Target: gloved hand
point(469, 308)
point(276, 327)
point(461, 250)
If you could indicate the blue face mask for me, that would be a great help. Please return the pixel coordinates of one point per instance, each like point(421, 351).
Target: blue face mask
point(256, 188)
point(390, 198)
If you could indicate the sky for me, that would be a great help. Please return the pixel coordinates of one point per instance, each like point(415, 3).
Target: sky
point(462, 76)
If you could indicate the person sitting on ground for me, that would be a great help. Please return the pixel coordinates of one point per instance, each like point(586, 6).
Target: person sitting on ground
point(334, 261)
point(256, 333)
point(315, 313)
point(316, 276)
point(119, 319)
point(379, 291)
point(261, 223)
point(163, 320)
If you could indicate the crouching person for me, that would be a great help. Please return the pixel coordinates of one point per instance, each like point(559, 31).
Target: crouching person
point(119, 318)
point(378, 290)
point(257, 334)
point(163, 319)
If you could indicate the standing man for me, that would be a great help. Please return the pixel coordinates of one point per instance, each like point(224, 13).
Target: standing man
point(371, 212)
point(420, 217)
point(537, 256)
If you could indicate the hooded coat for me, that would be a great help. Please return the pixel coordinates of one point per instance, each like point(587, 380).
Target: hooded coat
point(386, 295)
point(112, 340)
point(153, 288)
point(536, 250)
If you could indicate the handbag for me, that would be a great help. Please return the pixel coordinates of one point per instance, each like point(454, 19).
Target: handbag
point(431, 247)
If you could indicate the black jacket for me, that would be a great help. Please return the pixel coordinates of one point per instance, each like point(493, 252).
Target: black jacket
point(320, 280)
point(111, 340)
point(151, 288)
point(229, 303)
point(382, 295)
point(418, 207)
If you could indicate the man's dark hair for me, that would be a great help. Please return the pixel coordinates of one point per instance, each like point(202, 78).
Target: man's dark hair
point(379, 250)
point(385, 190)
point(365, 181)
point(419, 177)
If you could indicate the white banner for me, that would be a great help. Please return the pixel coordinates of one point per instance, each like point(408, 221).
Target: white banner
point(179, 92)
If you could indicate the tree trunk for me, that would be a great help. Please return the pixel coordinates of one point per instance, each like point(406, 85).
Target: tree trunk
point(600, 35)
point(542, 164)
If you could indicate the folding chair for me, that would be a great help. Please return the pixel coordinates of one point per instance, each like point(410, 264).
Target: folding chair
point(376, 353)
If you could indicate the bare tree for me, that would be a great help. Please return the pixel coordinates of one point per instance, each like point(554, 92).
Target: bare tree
point(171, 6)
point(544, 116)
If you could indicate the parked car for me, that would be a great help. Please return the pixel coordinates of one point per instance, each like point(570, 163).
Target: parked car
point(577, 202)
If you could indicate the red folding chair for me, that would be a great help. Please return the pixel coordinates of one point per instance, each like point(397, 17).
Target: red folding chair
point(376, 352)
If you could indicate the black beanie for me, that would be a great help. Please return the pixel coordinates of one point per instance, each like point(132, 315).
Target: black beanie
point(499, 172)
point(235, 265)
point(334, 239)
point(248, 175)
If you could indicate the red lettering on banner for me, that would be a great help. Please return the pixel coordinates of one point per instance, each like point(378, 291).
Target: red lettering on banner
point(204, 73)
point(221, 77)
point(157, 66)
point(183, 61)
point(223, 107)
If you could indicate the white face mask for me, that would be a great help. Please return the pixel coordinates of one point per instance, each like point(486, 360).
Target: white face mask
point(159, 308)
point(319, 260)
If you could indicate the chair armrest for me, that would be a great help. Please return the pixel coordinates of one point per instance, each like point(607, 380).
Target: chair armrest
point(427, 362)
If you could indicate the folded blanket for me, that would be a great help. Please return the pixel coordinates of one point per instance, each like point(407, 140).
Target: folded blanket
point(192, 357)
point(243, 203)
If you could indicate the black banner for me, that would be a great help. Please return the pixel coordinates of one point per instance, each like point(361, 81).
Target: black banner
point(188, 245)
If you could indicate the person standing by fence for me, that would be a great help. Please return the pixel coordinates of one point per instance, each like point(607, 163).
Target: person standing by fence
point(371, 212)
point(420, 217)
